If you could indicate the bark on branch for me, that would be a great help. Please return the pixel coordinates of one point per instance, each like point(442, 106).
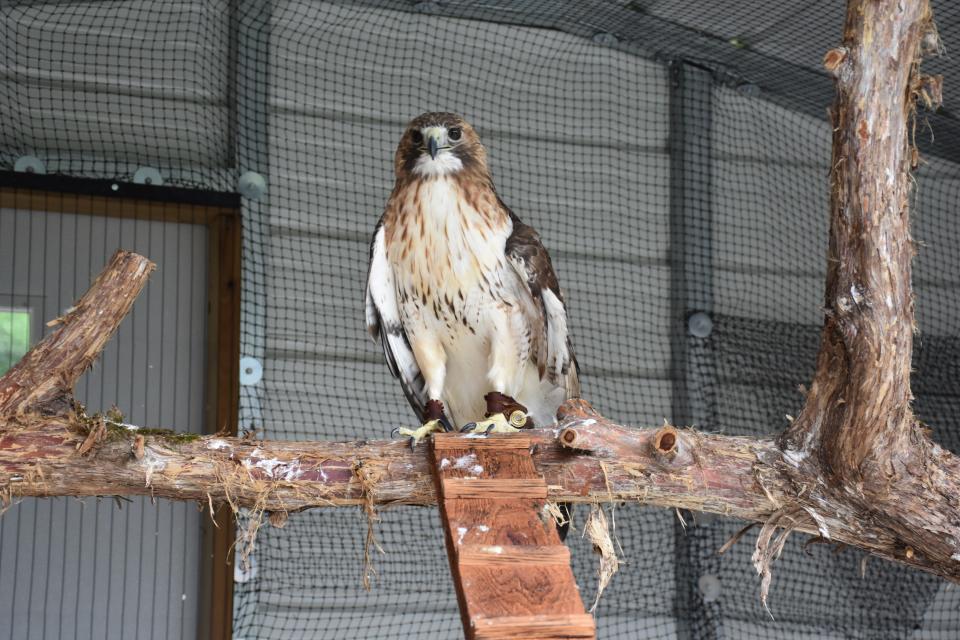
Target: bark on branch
point(587, 459)
point(44, 378)
point(857, 436)
point(857, 419)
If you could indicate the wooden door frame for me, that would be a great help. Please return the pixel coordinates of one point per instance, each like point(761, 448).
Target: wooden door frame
point(220, 213)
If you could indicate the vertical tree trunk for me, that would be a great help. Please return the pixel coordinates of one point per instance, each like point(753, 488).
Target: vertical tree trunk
point(857, 442)
point(857, 419)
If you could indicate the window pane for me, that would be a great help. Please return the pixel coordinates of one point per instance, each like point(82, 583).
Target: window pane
point(14, 336)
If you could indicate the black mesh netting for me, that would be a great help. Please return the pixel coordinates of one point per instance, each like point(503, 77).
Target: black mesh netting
point(674, 157)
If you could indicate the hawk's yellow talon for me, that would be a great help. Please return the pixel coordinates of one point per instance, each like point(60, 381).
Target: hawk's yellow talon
point(497, 423)
point(421, 432)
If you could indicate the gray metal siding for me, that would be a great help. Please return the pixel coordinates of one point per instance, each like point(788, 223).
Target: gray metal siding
point(69, 67)
point(771, 211)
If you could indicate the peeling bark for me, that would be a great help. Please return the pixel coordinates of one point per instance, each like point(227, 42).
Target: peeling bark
point(738, 477)
point(856, 451)
point(619, 464)
point(42, 381)
point(857, 419)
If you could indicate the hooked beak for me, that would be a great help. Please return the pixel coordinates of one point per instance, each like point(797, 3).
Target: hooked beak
point(434, 138)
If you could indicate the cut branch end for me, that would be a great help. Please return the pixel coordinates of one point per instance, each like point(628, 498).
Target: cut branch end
point(665, 441)
point(833, 59)
point(568, 438)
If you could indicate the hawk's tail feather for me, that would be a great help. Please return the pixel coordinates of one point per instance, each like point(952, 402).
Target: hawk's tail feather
point(563, 525)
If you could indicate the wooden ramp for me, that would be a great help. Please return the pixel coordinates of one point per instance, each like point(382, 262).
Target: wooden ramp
point(511, 571)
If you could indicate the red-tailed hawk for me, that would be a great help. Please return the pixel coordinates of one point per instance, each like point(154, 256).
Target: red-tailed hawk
point(462, 295)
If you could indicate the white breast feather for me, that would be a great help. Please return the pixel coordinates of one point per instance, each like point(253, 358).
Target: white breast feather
point(444, 164)
point(451, 229)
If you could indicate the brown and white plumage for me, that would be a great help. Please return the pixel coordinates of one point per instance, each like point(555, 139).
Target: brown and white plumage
point(461, 294)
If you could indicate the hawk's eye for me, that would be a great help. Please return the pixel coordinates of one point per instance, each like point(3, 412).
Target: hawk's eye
point(455, 133)
point(417, 137)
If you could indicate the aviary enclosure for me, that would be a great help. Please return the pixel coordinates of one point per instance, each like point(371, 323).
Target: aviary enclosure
point(733, 194)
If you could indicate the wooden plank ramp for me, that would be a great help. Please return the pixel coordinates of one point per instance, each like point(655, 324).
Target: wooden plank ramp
point(511, 571)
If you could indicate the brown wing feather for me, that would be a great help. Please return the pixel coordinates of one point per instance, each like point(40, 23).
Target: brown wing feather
point(528, 254)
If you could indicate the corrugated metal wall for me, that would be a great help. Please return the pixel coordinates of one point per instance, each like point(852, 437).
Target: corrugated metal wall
point(65, 66)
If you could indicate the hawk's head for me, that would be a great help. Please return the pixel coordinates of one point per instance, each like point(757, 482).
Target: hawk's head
point(439, 144)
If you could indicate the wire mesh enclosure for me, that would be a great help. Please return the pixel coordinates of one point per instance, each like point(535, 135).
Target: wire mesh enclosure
point(674, 157)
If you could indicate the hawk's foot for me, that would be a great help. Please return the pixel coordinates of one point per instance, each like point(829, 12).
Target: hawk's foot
point(436, 421)
point(504, 415)
point(498, 423)
point(419, 433)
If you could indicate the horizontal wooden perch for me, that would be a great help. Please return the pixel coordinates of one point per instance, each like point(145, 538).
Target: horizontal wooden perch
point(607, 462)
point(49, 446)
point(588, 459)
